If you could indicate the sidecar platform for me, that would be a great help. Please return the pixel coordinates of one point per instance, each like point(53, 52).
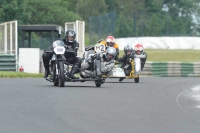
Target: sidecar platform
point(80, 80)
point(76, 80)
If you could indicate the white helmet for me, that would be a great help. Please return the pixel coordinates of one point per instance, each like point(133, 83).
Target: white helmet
point(139, 49)
point(110, 40)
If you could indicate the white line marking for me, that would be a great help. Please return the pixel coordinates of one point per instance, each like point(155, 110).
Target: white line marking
point(177, 101)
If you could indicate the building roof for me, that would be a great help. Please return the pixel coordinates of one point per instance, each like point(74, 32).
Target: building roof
point(41, 28)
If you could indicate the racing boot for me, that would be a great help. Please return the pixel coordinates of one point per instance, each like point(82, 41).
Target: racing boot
point(73, 71)
point(45, 60)
point(47, 72)
point(142, 65)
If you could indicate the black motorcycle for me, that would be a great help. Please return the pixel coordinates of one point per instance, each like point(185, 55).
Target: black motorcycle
point(60, 68)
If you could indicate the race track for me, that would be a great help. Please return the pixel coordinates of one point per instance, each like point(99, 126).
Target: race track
point(155, 105)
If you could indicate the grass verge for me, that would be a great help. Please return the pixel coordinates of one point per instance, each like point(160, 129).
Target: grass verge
point(154, 55)
point(11, 74)
point(162, 55)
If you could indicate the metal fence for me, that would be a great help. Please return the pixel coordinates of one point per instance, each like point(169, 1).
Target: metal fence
point(8, 46)
point(8, 37)
point(101, 26)
point(139, 24)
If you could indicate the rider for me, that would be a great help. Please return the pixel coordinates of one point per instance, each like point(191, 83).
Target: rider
point(110, 42)
point(126, 65)
point(71, 45)
point(107, 63)
point(139, 52)
point(129, 53)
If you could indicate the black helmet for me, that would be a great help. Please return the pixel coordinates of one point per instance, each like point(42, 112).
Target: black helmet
point(70, 35)
point(128, 50)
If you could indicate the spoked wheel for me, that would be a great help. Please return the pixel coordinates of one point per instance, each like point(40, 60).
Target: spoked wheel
point(61, 74)
point(137, 80)
point(55, 78)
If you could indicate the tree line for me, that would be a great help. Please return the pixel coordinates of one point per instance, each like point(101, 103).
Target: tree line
point(156, 17)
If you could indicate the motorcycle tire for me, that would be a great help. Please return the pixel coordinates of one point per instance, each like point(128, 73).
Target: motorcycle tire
point(61, 74)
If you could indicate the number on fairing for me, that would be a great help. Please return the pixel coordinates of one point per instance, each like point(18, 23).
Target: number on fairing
point(59, 50)
point(100, 48)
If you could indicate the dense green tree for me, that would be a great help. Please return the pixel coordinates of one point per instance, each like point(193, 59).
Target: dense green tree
point(124, 26)
point(129, 6)
point(51, 12)
point(90, 8)
point(113, 5)
point(182, 14)
point(150, 20)
point(37, 11)
point(133, 17)
point(14, 10)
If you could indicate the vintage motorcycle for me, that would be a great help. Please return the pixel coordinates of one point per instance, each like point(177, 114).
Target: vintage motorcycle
point(118, 72)
point(60, 68)
point(95, 52)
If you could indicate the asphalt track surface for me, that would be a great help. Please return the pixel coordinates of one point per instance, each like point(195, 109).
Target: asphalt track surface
point(155, 105)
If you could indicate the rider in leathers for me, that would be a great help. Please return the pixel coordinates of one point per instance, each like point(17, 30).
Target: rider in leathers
point(110, 42)
point(71, 57)
point(129, 54)
point(107, 63)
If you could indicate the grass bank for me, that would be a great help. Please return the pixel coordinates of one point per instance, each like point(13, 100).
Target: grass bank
point(11, 74)
point(162, 55)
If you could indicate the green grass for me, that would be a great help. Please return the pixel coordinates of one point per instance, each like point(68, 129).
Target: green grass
point(162, 55)
point(11, 74)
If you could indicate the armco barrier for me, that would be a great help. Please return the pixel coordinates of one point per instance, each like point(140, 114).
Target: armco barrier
point(172, 69)
point(8, 62)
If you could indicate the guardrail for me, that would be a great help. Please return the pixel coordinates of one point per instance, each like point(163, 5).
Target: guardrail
point(172, 69)
point(8, 62)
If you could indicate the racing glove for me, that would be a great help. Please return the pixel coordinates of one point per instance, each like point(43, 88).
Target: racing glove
point(106, 69)
point(97, 56)
point(126, 67)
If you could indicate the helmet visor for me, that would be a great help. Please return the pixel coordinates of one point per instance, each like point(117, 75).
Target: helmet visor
point(109, 56)
point(110, 44)
point(128, 52)
point(71, 38)
point(138, 52)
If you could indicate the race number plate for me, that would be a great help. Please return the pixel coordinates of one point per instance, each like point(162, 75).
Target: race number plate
point(99, 48)
point(59, 50)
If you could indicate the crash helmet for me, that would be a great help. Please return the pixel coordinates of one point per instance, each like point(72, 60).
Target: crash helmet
point(110, 41)
point(110, 53)
point(70, 35)
point(138, 49)
point(128, 50)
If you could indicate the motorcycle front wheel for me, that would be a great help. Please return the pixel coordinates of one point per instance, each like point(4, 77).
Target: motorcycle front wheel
point(61, 74)
point(55, 78)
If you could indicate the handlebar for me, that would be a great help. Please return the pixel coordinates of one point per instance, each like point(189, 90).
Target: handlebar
point(70, 51)
point(49, 51)
point(90, 48)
